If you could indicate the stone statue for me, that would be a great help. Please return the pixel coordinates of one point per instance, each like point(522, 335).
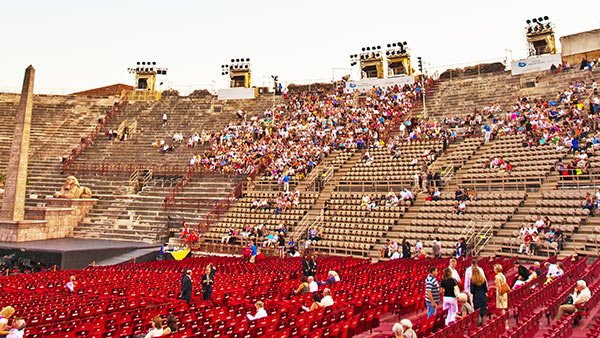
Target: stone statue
point(72, 189)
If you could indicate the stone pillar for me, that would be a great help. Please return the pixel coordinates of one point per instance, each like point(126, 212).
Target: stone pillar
point(13, 203)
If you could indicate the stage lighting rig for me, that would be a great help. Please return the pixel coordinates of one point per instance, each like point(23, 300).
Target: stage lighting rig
point(239, 71)
point(540, 36)
point(147, 67)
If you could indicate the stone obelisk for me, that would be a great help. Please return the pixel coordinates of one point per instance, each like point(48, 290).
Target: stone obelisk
point(13, 203)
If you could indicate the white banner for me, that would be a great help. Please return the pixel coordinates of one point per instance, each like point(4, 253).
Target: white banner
point(368, 84)
point(535, 64)
point(237, 93)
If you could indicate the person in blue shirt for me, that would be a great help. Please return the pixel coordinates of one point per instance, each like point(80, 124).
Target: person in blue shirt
point(292, 246)
point(253, 252)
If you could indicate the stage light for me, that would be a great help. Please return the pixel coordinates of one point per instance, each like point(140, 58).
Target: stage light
point(153, 63)
point(540, 19)
point(368, 48)
point(546, 18)
point(247, 59)
point(363, 49)
point(547, 26)
point(246, 66)
point(535, 20)
point(394, 44)
point(388, 45)
point(404, 43)
point(138, 63)
point(378, 47)
point(374, 47)
point(528, 22)
point(529, 30)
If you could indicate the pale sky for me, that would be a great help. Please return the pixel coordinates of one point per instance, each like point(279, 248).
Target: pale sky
point(77, 45)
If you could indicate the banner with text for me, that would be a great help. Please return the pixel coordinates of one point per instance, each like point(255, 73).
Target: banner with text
point(368, 84)
point(236, 93)
point(535, 64)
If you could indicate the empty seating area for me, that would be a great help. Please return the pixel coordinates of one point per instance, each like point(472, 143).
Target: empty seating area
point(385, 169)
point(530, 166)
point(349, 228)
point(438, 219)
point(458, 154)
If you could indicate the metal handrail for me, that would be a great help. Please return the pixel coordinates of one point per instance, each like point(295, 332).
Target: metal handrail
point(305, 226)
point(92, 135)
point(483, 237)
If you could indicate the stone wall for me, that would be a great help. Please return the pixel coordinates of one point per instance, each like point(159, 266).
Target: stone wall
point(57, 220)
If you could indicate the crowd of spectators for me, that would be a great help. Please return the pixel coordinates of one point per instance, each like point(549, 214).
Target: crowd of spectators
point(292, 138)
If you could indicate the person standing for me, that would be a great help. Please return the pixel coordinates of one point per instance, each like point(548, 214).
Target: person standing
point(452, 265)
point(208, 279)
point(186, 287)
point(253, 252)
point(306, 266)
point(501, 299)
point(312, 263)
point(437, 248)
point(449, 302)
point(405, 249)
point(432, 292)
point(478, 289)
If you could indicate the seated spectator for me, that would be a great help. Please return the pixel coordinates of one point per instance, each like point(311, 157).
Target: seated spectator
point(589, 203)
point(459, 195)
point(397, 254)
point(577, 300)
point(156, 330)
point(464, 307)
point(535, 243)
point(303, 287)
point(312, 285)
point(230, 233)
point(5, 315)
point(327, 300)
point(436, 195)
point(172, 326)
point(316, 304)
point(18, 329)
point(313, 234)
point(366, 200)
point(554, 271)
point(462, 207)
point(558, 237)
point(72, 284)
point(408, 330)
point(539, 223)
point(260, 311)
point(331, 279)
point(398, 331)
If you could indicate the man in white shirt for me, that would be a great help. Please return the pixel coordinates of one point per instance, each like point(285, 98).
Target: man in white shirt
point(539, 223)
point(452, 267)
point(326, 300)
point(18, 329)
point(312, 285)
point(469, 273)
point(580, 297)
point(260, 311)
